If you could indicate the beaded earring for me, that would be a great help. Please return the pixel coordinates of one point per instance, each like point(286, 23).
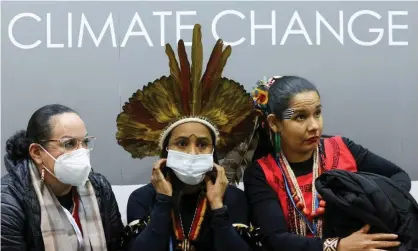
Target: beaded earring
point(42, 175)
point(42, 178)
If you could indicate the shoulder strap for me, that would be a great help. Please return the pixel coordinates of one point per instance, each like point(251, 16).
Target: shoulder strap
point(269, 166)
point(338, 155)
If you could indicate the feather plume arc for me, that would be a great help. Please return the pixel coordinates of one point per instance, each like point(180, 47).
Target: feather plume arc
point(210, 98)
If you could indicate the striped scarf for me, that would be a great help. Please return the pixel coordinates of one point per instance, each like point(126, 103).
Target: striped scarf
point(57, 232)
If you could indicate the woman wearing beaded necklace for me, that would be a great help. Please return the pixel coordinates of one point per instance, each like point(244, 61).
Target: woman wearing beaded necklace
point(187, 119)
point(285, 205)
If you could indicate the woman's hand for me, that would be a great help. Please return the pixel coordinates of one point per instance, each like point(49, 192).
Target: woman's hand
point(362, 241)
point(160, 183)
point(215, 192)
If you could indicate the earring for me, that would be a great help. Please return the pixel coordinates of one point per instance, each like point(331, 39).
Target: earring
point(277, 143)
point(42, 177)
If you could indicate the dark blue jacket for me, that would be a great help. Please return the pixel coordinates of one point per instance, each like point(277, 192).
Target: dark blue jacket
point(21, 217)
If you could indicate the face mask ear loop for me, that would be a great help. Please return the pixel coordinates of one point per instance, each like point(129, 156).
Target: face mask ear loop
point(44, 167)
point(47, 152)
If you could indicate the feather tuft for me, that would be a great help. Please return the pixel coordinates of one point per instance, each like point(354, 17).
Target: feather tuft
point(172, 62)
point(185, 76)
point(196, 71)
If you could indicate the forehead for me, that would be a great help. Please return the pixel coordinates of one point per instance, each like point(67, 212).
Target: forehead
point(191, 128)
point(305, 100)
point(67, 124)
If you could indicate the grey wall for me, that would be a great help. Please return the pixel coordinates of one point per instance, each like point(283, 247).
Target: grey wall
point(368, 92)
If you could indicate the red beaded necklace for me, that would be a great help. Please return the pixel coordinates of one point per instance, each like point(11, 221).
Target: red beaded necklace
point(304, 217)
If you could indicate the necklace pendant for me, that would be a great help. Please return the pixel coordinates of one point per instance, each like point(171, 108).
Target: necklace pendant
point(187, 246)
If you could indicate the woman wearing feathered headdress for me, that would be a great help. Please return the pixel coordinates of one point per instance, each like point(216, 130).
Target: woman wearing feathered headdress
point(280, 186)
point(189, 120)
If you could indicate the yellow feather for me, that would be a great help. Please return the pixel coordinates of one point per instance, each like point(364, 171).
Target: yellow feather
point(151, 109)
point(172, 62)
point(196, 69)
point(224, 58)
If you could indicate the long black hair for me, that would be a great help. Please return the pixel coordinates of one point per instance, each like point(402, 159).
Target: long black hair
point(38, 130)
point(280, 94)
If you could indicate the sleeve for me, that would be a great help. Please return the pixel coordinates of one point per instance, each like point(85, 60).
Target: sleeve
point(226, 237)
point(266, 213)
point(116, 225)
point(155, 235)
point(367, 161)
point(12, 222)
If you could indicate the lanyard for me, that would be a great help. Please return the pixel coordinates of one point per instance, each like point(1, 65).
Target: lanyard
point(76, 229)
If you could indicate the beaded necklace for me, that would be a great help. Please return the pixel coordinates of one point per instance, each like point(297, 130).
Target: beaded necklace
point(304, 218)
point(194, 231)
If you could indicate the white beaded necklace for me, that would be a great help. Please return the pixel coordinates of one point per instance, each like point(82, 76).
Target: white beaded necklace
point(301, 227)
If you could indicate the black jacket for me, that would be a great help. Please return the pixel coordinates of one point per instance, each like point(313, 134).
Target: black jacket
point(356, 199)
point(20, 210)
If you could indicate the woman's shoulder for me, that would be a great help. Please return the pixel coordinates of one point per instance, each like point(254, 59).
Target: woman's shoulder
point(11, 188)
point(355, 149)
point(235, 198)
point(254, 170)
point(340, 138)
point(234, 190)
point(143, 192)
point(12, 197)
point(99, 181)
point(144, 196)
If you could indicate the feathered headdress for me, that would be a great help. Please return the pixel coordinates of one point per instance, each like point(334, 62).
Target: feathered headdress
point(237, 160)
point(187, 95)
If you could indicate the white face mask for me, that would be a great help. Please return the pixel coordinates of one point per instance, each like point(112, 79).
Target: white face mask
point(72, 168)
point(189, 168)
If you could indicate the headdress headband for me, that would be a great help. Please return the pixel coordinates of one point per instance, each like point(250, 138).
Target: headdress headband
point(187, 95)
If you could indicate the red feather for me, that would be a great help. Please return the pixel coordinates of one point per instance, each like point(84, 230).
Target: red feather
point(212, 65)
point(184, 76)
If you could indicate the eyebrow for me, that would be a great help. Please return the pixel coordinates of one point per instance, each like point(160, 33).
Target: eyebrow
point(66, 136)
point(303, 110)
point(198, 138)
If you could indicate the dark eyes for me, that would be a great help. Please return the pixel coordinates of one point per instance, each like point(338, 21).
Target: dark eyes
point(184, 143)
point(301, 117)
point(70, 143)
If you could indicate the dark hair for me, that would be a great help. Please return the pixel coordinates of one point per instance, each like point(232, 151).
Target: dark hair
point(177, 185)
point(280, 95)
point(283, 90)
point(38, 129)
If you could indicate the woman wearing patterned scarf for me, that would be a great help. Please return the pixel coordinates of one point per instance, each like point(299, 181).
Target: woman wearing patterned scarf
point(51, 199)
point(280, 184)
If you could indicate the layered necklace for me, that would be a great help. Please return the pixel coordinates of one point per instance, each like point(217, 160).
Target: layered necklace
point(304, 218)
point(184, 243)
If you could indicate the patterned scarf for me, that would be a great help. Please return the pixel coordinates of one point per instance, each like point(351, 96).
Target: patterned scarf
point(57, 232)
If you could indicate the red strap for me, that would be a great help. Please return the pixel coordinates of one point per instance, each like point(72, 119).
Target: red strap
point(268, 165)
point(75, 213)
point(338, 156)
